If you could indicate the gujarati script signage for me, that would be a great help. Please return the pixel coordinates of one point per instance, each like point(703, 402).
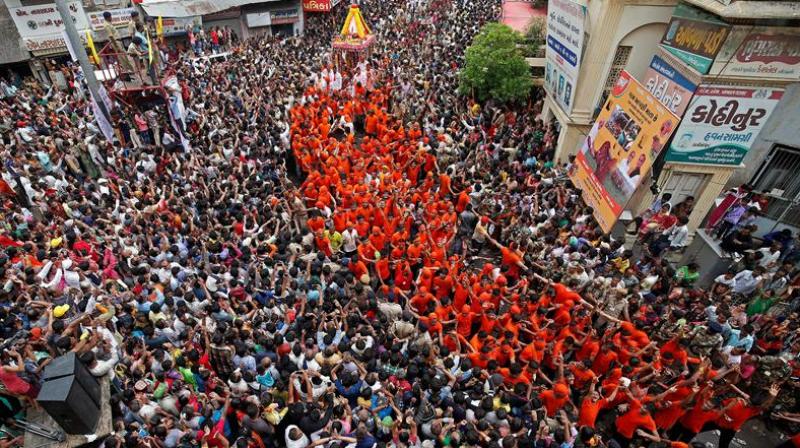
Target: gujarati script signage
point(565, 32)
point(763, 52)
point(40, 26)
point(721, 124)
point(695, 37)
point(669, 85)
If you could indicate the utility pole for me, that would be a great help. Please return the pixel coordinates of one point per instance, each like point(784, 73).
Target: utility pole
point(80, 51)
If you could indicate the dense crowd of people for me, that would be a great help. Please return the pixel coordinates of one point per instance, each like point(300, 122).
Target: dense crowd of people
point(364, 258)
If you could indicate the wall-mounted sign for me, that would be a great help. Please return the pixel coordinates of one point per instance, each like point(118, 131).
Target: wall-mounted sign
point(318, 5)
point(259, 19)
point(627, 136)
point(565, 35)
point(119, 18)
point(762, 52)
point(174, 26)
point(721, 124)
point(282, 16)
point(40, 26)
point(694, 36)
point(669, 85)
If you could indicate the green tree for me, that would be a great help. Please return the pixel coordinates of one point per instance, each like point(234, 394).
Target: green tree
point(495, 67)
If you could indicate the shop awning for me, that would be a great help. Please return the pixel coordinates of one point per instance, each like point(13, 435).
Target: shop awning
point(188, 8)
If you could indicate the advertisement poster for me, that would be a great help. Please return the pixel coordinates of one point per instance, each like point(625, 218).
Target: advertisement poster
point(760, 53)
point(40, 26)
point(695, 37)
point(565, 32)
point(722, 124)
point(668, 85)
point(627, 136)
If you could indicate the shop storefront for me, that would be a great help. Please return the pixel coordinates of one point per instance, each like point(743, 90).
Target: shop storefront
point(274, 18)
point(231, 18)
point(41, 27)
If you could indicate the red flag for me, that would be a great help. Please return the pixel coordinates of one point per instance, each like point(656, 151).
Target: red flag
point(6, 189)
point(6, 242)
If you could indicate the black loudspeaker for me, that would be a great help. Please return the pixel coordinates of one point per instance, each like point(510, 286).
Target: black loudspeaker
point(71, 395)
point(69, 365)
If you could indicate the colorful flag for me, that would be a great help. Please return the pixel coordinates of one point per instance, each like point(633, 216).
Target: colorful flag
point(90, 42)
point(149, 46)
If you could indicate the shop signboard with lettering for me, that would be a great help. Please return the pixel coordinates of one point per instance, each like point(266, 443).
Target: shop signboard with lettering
point(762, 52)
point(40, 26)
point(565, 34)
point(119, 18)
point(669, 85)
point(721, 124)
point(317, 5)
point(174, 26)
point(283, 16)
point(695, 37)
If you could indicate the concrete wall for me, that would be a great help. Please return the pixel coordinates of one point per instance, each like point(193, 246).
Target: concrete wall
point(644, 41)
point(782, 127)
point(639, 24)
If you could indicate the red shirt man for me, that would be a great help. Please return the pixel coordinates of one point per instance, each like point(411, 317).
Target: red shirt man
point(555, 399)
point(636, 418)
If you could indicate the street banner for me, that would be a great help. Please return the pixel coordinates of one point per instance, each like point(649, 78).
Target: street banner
point(102, 122)
point(694, 36)
point(721, 124)
point(565, 34)
point(40, 26)
point(631, 129)
point(669, 85)
point(761, 52)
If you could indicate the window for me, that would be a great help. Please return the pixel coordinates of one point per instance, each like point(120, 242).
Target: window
point(778, 177)
point(619, 63)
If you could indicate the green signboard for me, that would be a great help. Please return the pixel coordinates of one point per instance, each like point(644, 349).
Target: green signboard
point(695, 37)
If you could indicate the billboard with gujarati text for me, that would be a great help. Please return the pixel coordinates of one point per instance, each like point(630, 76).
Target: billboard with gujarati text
point(721, 124)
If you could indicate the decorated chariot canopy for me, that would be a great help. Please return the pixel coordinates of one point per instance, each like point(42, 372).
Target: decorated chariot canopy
point(355, 35)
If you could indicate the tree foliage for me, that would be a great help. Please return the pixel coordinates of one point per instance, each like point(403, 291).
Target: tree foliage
point(535, 37)
point(495, 67)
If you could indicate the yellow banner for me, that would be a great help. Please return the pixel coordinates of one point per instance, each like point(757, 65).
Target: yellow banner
point(630, 131)
point(149, 46)
point(90, 43)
